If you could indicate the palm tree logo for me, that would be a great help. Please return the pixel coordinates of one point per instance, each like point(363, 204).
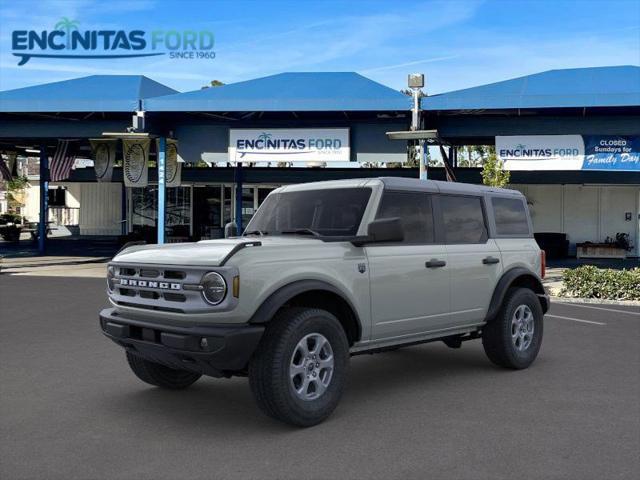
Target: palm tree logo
point(67, 25)
point(264, 137)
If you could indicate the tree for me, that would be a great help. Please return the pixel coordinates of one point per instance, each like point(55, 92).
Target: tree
point(213, 83)
point(493, 172)
point(67, 25)
point(15, 193)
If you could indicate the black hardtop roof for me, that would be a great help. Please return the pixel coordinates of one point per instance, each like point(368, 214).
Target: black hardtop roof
point(398, 183)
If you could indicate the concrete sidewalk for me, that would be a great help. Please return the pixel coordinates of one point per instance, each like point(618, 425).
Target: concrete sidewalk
point(55, 266)
point(553, 280)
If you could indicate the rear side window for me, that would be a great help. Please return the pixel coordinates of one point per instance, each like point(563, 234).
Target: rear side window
point(414, 210)
point(510, 215)
point(463, 219)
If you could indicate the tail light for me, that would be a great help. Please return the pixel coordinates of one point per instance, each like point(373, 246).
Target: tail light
point(543, 263)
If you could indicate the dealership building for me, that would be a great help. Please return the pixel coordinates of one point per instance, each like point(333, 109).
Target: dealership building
point(571, 139)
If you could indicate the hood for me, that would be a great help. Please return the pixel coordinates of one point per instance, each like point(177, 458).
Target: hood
point(204, 253)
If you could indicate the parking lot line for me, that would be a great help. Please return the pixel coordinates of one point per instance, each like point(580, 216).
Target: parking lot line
point(575, 319)
point(601, 308)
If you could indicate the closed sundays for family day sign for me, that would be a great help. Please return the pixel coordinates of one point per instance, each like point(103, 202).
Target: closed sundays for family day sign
point(569, 152)
point(289, 145)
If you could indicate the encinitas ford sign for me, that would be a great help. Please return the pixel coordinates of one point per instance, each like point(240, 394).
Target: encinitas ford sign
point(289, 145)
point(569, 152)
point(67, 41)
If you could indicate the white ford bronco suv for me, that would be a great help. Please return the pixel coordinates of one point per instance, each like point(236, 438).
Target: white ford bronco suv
point(329, 270)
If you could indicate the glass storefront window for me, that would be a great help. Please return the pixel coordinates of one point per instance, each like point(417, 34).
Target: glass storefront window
point(228, 202)
point(144, 209)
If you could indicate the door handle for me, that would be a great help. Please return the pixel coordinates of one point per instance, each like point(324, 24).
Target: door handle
point(435, 263)
point(490, 260)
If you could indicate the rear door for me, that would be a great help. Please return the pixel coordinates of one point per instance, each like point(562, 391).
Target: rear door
point(473, 258)
point(409, 279)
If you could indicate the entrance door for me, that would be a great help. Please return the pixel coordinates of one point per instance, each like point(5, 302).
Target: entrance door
point(207, 212)
point(409, 280)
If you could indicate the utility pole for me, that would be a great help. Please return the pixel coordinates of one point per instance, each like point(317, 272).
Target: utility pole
point(416, 83)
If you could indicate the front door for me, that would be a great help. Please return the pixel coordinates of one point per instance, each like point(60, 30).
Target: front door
point(409, 280)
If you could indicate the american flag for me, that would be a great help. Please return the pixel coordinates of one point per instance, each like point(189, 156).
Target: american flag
point(5, 171)
point(62, 161)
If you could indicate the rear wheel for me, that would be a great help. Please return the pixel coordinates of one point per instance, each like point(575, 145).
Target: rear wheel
point(298, 372)
point(159, 375)
point(514, 337)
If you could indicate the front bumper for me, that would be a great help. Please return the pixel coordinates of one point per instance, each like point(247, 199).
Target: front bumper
point(214, 350)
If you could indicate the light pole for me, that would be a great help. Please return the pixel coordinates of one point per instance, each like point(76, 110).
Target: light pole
point(415, 82)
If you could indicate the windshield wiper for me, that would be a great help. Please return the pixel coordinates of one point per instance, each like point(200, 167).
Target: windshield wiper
point(301, 231)
point(256, 232)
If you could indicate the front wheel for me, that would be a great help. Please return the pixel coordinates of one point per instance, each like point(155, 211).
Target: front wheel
point(159, 375)
point(298, 372)
point(513, 338)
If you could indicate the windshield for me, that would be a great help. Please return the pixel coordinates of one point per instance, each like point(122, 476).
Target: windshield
point(331, 212)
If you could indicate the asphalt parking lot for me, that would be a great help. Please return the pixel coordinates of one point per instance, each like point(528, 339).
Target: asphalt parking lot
point(71, 409)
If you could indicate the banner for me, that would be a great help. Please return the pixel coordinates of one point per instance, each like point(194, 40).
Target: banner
point(173, 165)
point(569, 152)
point(104, 157)
point(135, 153)
point(541, 152)
point(289, 145)
point(611, 153)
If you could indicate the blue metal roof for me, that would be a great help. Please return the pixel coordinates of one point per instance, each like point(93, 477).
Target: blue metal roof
point(96, 93)
point(287, 92)
point(577, 87)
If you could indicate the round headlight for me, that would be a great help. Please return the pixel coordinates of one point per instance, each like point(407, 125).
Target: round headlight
point(111, 272)
point(214, 288)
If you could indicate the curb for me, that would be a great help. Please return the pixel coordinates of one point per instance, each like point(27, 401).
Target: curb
point(596, 301)
point(54, 264)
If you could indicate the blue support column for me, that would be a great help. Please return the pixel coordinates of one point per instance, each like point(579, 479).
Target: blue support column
point(162, 156)
point(238, 179)
point(44, 200)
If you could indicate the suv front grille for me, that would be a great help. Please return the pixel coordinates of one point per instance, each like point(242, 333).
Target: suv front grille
point(154, 287)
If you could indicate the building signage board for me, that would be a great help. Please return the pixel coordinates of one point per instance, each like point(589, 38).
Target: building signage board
point(541, 152)
point(611, 153)
point(289, 145)
point(569, 152)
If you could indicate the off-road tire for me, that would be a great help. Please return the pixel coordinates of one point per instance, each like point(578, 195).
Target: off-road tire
point(497, 334)
point(160, 375)
point(269, 375)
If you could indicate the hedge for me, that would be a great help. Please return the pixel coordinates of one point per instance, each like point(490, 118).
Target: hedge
point(592, 282)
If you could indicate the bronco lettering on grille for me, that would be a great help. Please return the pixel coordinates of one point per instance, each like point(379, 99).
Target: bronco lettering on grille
point(130, 282)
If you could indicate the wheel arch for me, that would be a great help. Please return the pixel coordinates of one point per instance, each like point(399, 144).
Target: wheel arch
point(313, 294)
point(516, 277)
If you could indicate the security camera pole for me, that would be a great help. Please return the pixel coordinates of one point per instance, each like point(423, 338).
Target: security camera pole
point(416, 83)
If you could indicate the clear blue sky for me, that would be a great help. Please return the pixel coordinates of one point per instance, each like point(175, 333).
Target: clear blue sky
point(456, 44)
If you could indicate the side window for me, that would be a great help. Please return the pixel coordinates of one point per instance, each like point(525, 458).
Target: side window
point(414, 210)
point(463, 219)
point(510, 215)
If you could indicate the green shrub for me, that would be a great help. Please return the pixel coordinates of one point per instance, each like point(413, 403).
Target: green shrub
point(592, 282)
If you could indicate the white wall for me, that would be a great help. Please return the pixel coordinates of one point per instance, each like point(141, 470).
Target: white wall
point(585, 212)
point(100, 208)
point(31, 209)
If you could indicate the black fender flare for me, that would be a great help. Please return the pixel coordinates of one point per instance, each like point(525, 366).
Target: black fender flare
point(507, 280)
point(281, 296)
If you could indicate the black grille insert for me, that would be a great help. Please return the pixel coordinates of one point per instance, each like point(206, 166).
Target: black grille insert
point(174, 297)
point(149, 273)
point(174, 274)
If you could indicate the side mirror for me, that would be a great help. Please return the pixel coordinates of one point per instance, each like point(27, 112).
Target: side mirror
point(230, 230)
point(382, 230)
